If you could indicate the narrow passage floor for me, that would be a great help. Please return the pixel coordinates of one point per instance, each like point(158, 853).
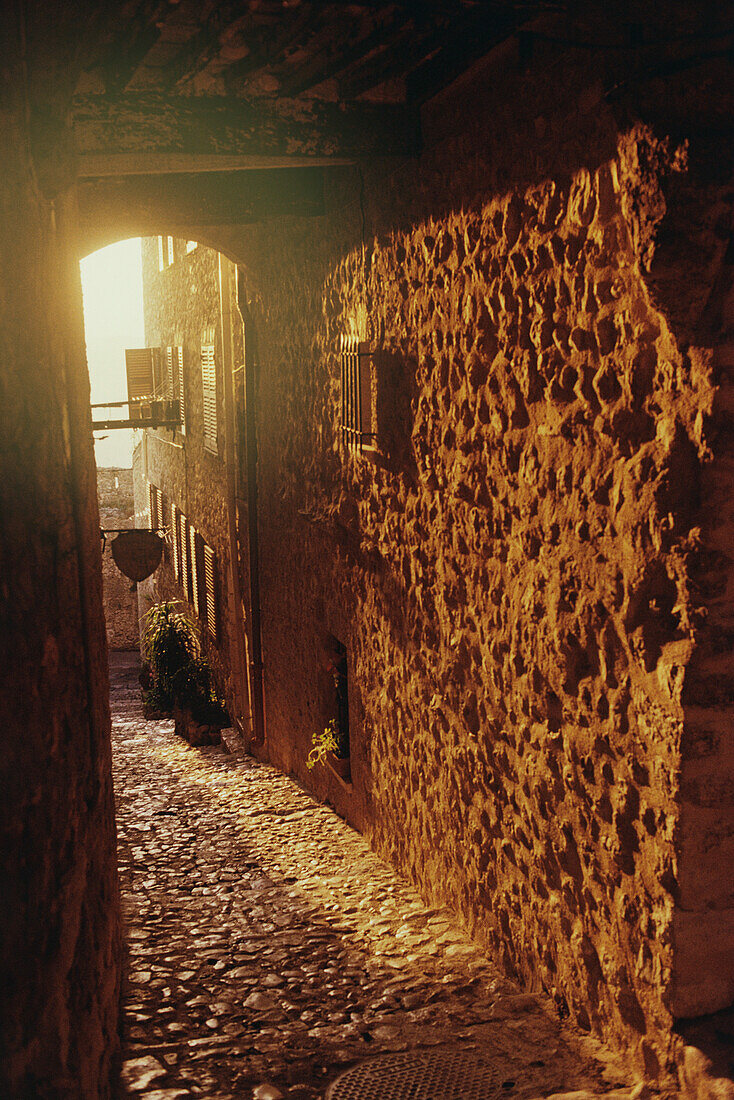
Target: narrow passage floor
point(270, 949)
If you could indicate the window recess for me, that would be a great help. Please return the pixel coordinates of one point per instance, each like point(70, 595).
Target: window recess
point(357, 419)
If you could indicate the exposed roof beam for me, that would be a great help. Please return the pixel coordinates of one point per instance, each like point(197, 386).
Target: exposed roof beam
point(325, 66)
point(123, 56)
point(197, 52)
point(461, 44)
point(96, 166)
point(217, 126)
point(391, 58)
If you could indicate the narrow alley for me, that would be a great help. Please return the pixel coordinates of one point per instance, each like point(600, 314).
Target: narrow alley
point(270, 950)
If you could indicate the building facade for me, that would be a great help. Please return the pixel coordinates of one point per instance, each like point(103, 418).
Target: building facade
point(475, 447)
point(117, 512)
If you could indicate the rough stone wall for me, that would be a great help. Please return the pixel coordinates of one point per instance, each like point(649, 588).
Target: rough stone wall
point(511, 572)
point(182, 303)
point(698, 234)
point(60, 953)
point(117, 511)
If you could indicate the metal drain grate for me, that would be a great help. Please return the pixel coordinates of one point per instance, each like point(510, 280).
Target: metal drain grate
point(420, 1075)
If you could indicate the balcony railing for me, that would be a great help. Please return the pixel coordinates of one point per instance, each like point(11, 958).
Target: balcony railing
point(142, 413)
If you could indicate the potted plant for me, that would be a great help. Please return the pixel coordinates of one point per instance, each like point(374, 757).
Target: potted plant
point(170, 643)
point(178, 679)
point(329, 747)
point(198, 713)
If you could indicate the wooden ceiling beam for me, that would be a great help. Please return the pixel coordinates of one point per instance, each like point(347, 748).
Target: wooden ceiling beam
point(463, 43)
point(144, 204)
point(212, 126)
point(198, 51)
point(196, 54)
point(398, 52)
point(330, 64)
point(126, 52)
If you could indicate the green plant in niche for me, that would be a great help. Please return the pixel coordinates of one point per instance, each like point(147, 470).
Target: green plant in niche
point(170, 644)
point(323, 742)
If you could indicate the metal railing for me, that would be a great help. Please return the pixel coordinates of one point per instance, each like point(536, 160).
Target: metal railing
point(144, 412)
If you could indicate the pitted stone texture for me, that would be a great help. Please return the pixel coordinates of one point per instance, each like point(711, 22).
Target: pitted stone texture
point(269, 948)
point(510, 574)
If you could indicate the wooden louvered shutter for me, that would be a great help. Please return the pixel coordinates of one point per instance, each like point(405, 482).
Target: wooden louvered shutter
point(176, 542)
point(212, 594)
point(153, 506)
point(198, 581)
point(170, 381)
point(160, 509)
point(209, 389)
point(179, 390)
point(139, 367)
point(185, 559)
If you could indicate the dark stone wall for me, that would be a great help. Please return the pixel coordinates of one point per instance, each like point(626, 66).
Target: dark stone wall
point(60, 943)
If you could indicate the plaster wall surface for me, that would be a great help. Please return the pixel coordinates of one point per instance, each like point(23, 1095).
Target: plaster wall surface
point(512, 572)
point(116, 512)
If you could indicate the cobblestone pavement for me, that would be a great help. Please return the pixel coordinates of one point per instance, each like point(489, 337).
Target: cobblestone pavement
point(270, 949)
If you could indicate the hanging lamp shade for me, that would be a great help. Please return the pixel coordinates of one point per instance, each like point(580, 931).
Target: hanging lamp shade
point(137, 554)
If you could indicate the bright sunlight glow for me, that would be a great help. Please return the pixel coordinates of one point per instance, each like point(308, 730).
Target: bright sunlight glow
point(113, 320)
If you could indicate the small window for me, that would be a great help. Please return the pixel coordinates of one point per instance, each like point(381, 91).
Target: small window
point(209, 388)
point(341, 685)
point(191, 246)
point(356, 395)
point(166, 252)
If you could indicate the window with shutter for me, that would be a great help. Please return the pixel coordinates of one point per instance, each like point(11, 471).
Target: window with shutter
point(140, 369)
point(198, 580)
point(212, 591)
point(179, 387)
point(153, 506)
point(356, 404)
point(166, 253)
point(176, 542)
point(209, 388)
point(170, 392)
point(183, 524)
